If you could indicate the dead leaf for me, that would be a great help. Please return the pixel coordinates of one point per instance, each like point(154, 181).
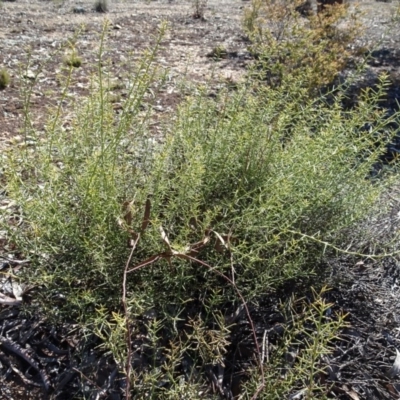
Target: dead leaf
point(353, 395)
point(9, 301)
point(299, 395)
point(221, 239)
point(395, 369)
point(17, 289)
point(392, 389)
point(221, 245)
point(164, 237)
point(133, 239)
point(359, 263)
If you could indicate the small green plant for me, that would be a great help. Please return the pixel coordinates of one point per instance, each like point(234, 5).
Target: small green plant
point(218, 52)
point(58, 3)
point(101, 6)
point(4, 79)
point(251, 17)
point(199, 8)
point(396, 14)
point(115, 84)
point(72, 59)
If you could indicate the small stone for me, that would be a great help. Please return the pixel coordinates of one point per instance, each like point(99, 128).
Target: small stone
point(30, 75)
point(79, 10)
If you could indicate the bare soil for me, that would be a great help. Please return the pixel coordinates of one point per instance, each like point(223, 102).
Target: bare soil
point(38, 28)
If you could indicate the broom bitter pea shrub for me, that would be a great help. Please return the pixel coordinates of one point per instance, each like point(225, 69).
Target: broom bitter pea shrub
point(247, 174)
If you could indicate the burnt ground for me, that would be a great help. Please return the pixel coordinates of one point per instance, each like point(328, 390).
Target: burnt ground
point(38, 360)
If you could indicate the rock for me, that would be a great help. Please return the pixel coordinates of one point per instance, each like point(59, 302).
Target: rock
point(79, 10)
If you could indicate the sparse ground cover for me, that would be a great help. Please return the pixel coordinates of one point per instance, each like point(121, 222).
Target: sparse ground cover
point(43, 26)
point(165, 213)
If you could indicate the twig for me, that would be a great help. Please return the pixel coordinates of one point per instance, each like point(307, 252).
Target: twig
point(87, 378)
point(14, 261)
point(232, 267)
point(17, 349)
point(128, 327)
point(343, 251)
point(9, 301)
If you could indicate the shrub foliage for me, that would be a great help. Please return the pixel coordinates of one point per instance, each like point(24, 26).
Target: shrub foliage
point(293, 50)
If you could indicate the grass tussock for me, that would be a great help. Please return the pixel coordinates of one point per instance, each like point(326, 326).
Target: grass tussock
point(4, 79)
point(72, 59)
point(246, 191)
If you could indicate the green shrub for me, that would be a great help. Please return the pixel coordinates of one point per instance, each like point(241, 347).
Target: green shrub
point(292, 50)
point(245, 191)
point(4, 79)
